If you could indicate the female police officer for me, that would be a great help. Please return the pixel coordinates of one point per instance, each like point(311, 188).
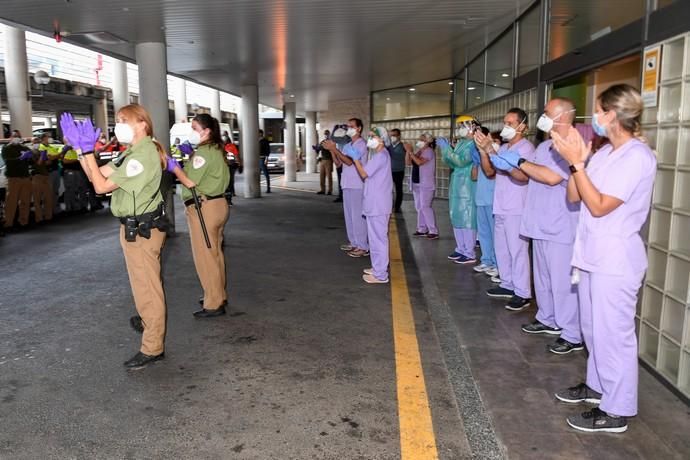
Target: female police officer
point(615, 189)
point(207, 172)
point(134, 180)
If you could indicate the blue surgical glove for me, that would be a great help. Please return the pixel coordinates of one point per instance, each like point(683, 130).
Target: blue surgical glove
point(511, 157)
point(171, 164)
point(500, 164)
point(476, 159)
point(353, 153)
point(442, 143)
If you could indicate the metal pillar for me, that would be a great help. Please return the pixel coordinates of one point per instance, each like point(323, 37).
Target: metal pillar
point(250, 140)
point(215, 105)
point(17, 81)
point(312, 138)
point(290, 142)
point(99, 108)
point(180, 100)
point(120, 85)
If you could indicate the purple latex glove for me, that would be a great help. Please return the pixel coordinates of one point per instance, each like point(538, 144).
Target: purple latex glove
point(186, 149)
point(500, 164)
point(26, 155)
point(88, 136)
point(69, 128)
point(442, 143)
point(171, 165)
point(476, 158)
point(44, 155)
point(511, 157)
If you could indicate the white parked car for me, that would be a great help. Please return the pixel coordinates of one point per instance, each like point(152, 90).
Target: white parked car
point(276, 159)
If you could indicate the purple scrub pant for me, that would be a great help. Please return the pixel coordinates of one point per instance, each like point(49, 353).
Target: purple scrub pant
point(512, 255)
point(377, 228)
point(556, 295)
point(426, 220)
point(465, 240)
point(607, 314)
point(355, 224)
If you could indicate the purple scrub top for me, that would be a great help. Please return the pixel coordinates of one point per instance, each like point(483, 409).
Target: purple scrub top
point(378, 186)
point(350, 177)
point(510, 195)
point(427, 171)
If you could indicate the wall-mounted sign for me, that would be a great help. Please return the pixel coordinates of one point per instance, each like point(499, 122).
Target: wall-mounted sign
point(650, 76)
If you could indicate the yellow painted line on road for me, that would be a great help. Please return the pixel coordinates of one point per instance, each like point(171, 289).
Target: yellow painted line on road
point(417, 440)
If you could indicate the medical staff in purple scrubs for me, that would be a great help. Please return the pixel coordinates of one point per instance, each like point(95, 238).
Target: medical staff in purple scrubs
point(423, 180)
point(615, 189)
point(353, 188)
point(550, 220)
point(377, 208)
point(512, 254)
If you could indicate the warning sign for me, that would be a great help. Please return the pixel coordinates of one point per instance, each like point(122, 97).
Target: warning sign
point(650, 76)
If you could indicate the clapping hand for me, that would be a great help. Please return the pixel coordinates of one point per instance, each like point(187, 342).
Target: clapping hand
point(26, 155)
point(482, 141)
point(69, 128)
point(511, 157)
point(328, 144)
point(88, 135)
point(571, 147)
point(442, 143)
point(352, 152)
point(186, 149)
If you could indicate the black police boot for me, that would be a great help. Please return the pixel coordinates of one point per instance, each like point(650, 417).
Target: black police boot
point(140, 360)
point(204, 313)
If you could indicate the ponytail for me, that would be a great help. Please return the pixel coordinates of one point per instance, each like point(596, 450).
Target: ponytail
point(161, 153)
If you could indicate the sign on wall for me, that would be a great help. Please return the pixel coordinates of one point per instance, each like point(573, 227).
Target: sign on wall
point(650, 76)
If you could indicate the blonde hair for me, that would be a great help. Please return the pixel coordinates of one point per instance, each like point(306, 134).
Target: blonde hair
point(626, 101)
point(138, 113)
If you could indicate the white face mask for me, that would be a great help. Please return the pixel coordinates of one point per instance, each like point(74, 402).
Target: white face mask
point(194, 138)
point(35, 146)
point(394, 139)
point(508, 133)
point(496, 146)
point(124, 133)
point(351, 132)
point(463, 131)
point(420, 144)
point(372, 143)
point(16, 140)
point(545, 123)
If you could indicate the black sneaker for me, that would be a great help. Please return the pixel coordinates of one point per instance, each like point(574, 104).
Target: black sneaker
point(596, 420)
point(500, 293)
point(579, 394)
point(320, 192)
point(420, 233)
point(141, 360)
point(563, 347)
point(539, 328)
point(338, 200)
point(517, 303)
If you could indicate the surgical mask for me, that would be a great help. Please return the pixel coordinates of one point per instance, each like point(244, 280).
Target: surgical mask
point(545, 123)
point(351, 132)
point(598, 128)
point(16, 140)
point(372, 143)
point(420, 144)
point(50, 140)
point(124, 133)
point(463, 131)
point(225, 138)
point(496, 146)
point(394, 139)
point(35, 146)
point(194, 138)
point(508, 132)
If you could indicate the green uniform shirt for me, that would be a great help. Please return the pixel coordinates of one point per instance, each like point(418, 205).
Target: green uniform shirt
point(139, 180)
point(208, 170)
point(14, 167)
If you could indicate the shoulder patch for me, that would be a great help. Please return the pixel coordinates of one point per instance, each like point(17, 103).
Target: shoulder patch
point(134, 168)
point(198, 161)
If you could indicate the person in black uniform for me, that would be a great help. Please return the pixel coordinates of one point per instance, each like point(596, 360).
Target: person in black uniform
point(264, 152)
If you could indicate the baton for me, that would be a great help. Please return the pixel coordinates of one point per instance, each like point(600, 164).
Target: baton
point(197, 205)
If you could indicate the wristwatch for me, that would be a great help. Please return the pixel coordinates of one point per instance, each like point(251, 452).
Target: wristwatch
point(576, 167)
point(520, 161)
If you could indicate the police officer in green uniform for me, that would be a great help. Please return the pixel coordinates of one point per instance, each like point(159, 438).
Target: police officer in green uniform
point(207, 171)
point(134, 179)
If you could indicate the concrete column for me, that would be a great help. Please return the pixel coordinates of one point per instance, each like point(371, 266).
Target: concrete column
point(290, 142)
point(249, 130)
point(100, 113)
point(120, 85)
point(262, 124)
point(17, 80)
point(312, 139)
point(153, 95)
point(180, 100)
point(215, 105)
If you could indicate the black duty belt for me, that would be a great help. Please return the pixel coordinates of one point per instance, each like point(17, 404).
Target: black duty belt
point(190, 201)
point(146, 217)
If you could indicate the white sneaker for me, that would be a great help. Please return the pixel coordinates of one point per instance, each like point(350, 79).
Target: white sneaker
point(346, 247)
point(492, 271)
point(481, 268)
point(496, 279)
point(371, 279)
point(368, 271)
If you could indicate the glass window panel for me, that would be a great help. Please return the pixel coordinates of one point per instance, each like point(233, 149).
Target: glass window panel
point(528, 53)
point(499, 67)
point(459, 87)
point(575, 23)
point(475, 82)
point(425, 100)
